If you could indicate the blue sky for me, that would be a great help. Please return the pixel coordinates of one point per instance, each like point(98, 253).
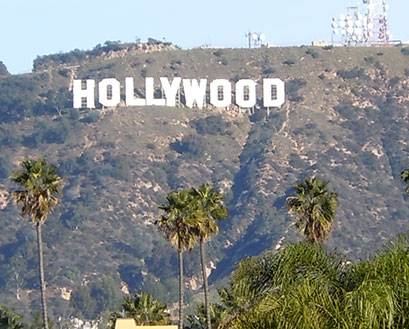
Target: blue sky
point(30, 28)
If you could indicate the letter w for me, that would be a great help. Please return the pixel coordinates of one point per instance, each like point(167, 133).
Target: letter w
point(195, 92)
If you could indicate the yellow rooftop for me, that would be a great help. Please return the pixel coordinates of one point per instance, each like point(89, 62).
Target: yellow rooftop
point(130, 324)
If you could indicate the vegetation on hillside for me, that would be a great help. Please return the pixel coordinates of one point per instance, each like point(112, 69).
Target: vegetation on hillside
point(345, 119)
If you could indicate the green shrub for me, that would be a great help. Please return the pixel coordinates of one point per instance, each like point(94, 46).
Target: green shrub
point(289, 62)
point(314, 54)
point(212, 125)
point(193, 146)
point(353, 74)
point(405, 51)
point(270, 70)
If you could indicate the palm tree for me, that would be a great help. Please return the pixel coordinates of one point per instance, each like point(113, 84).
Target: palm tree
point(178, 225)
point(40, 186)
point(144, 309)
point(210, 209)
point(404, 175)
point(315, 207)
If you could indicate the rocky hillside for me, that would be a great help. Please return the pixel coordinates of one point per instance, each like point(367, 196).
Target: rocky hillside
point(345, 119)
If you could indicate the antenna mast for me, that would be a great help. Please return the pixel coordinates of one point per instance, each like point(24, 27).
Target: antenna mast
point(370, 28)
point(377, 21)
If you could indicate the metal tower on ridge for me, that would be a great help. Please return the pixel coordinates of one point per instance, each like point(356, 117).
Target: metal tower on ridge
point(377, 21)
point(369, 28)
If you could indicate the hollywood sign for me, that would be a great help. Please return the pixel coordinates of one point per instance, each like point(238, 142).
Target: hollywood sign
point(195, 91)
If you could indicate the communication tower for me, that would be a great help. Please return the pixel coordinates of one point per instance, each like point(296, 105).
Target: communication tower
point(377, 21)
point(256, 38)
point(370, 28)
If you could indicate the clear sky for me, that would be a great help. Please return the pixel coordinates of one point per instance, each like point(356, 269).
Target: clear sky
point(29, 28)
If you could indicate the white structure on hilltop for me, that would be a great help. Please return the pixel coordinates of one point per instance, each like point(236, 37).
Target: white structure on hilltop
point(256, 38)
point(369, 28)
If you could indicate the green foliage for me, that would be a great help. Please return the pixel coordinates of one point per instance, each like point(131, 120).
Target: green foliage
point(10, 320)
point(40, 186)
point(302, 287)
point(145, 310)
point(5, 167)
point(96, 297)
point(18, 97)
point(218, 53)
point(405, 177)
point(3, 69)
point(192, 146)
point(270, 70)
point(314, 54)
point(273, 290)
point(131, 274)
point(355, 73)
point(255, 163)
point(289, 62)
point(38, 323)
point(212, 125)
point(293, 87)
point(405, 51)
point(179, 224)
point(314, 206)
point(9, 136)
point(198, 319)
point(50, 132)
point(40, 183)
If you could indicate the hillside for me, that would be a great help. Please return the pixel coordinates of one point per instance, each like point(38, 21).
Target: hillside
point(345, 119)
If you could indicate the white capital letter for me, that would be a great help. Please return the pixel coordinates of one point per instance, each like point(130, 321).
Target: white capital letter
point(195, 92)
point(130, 98)
point(241, 85)
point(150, 94)
point(115, 98)
point(170, 90)
point(268, 85)
point(224, 86)
point(79, 93)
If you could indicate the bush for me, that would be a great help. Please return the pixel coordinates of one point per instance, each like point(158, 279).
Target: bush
point(218, 53)
point(5, 167)
point(314, 54)
point(121, 167)
point(295, 85)
point(289, 62)
point(270, 70)
point(405, 51)
point(353, 74)
point(93, 116)
point(192, 146)
point(212, 125)
point(9, 136)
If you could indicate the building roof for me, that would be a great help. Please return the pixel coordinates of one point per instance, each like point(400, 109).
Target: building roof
point(130, 324)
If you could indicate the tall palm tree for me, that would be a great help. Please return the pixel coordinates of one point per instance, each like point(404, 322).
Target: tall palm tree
point(315, 207)
point(210, 210)
point(40, 185)
point(404, 175)
point(178, 225)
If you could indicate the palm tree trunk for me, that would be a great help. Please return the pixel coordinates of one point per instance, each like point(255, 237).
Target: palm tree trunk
point(41, 272)
point(180, 252)
point(205, 283)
